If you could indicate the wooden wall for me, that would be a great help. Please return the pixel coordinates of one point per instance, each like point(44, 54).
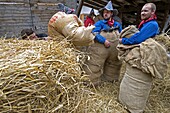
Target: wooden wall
point(16, 15)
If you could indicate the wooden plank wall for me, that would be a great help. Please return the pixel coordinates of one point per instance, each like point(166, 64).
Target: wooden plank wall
point(16, 15)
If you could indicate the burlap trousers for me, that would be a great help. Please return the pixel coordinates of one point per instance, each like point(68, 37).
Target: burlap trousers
point(103, 63)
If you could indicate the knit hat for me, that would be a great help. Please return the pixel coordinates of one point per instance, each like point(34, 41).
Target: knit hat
point(109, 7)
point(65, 9)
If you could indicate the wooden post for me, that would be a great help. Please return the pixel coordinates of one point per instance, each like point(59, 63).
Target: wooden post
point(138, 14)
point(165, 19)
point(79, 7)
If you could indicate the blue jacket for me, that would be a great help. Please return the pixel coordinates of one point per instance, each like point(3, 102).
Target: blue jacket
point(149, 29)
point(102, 25)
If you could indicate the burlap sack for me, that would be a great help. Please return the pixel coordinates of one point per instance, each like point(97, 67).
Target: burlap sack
point(124, 49)
point(71, 27)
point(149, 56)
point(134, 89)
point(128, 31)
point(103, 63)
point(112, 64)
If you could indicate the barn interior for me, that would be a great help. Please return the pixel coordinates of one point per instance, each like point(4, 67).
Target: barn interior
point(129, 10)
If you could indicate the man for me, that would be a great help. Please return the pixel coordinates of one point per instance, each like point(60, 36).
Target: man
point(89, 19)
point(103, 63)
point(145, 60)
point(29, 34)
point(148, 26)
point(65, 25)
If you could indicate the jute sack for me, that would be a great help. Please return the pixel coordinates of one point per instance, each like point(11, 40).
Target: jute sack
point(148, 56)
point(112, 65)
point(103, 63)
point(128, 31)
point(123, 50)
point(72, 28)
point(134, 89)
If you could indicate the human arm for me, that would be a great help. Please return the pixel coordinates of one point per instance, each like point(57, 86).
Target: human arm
point(119, 26)
point(150, 29)
point(96, 31)
point(98, 37)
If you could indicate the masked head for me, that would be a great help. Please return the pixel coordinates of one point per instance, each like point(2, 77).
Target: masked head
point(108, 11)
point(65, 9)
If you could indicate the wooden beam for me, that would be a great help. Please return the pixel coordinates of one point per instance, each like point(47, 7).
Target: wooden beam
point(91, 6)
point(94, 3)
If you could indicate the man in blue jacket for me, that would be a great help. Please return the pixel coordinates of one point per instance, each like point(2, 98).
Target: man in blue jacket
point(103, 63)
point(137, 82)
point(147, 28)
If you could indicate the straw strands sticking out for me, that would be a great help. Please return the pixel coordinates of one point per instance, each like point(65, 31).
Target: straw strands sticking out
point(159, 100)
point(37, 75)
point(164, 39)
point(46, 76)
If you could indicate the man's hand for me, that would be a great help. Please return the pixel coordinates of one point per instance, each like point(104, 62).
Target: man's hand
point(107, 44)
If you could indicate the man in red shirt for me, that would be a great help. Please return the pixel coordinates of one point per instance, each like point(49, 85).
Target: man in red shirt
point(89, 19)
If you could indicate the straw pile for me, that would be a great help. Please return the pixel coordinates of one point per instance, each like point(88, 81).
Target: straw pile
point(159, 100)
point(164, 39)
point(40, 76)
point(46, 77)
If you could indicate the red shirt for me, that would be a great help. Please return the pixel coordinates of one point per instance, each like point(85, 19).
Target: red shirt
point(88, 22)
